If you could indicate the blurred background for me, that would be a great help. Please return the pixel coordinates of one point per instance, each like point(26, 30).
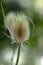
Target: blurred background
point(30, 54)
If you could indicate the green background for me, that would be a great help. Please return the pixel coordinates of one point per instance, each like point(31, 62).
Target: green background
point(29, 52)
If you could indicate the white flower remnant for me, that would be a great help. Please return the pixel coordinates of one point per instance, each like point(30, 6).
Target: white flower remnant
point(18, 26)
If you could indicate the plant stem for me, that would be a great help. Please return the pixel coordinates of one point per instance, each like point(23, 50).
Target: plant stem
point(12, 57)
point(18, 54)
point(2, 10)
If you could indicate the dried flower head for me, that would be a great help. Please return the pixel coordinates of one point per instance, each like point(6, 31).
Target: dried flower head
point(18, 26)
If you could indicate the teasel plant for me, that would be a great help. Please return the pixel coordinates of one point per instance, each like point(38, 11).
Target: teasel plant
point(19, 29)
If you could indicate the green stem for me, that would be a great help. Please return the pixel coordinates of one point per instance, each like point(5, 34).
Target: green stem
point(2, 10)
point(18, 54)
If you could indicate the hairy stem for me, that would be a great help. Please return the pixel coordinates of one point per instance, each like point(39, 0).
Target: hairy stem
point(18, 54)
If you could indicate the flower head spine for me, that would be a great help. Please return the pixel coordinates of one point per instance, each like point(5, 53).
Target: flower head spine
point(18, 26)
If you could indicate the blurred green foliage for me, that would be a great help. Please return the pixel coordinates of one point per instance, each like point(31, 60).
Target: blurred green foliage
point(32, 49)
